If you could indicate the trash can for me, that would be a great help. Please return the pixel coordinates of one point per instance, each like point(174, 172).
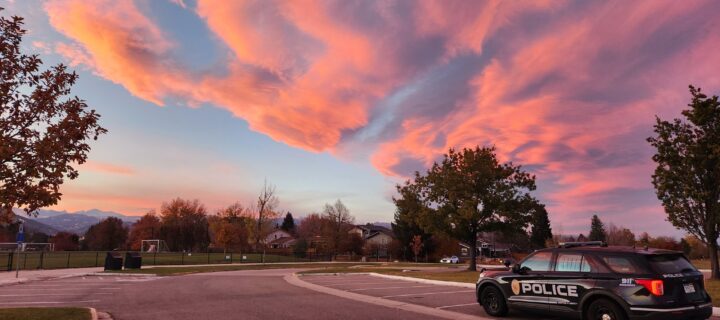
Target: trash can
point(113, 261)
point(133, 260)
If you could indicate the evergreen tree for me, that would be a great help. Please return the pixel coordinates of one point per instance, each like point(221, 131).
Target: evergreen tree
point(597, 229)
point(288, 223)
point(541, 230)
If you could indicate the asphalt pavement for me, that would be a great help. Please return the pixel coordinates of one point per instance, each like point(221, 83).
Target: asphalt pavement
point(257, 294)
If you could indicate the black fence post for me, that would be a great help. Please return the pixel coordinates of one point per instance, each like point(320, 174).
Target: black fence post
point(25, 261)
point(42, 256)
point(208, 260)
point(10, 261)
point(231, 260)
point(155, 257)
point(97, 256)
point(68, 260)
point(182, 258)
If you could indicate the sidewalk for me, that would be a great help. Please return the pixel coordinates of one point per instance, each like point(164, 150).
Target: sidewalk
point(8, 277)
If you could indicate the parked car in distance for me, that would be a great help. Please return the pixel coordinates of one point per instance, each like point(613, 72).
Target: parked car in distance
point(453, 259)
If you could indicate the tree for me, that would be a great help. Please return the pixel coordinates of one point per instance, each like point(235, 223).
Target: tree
point(339, 223)
point(288, 223)
point(698, 250)
point(416, 246)
point(300, 249)
point(65, 241)
point(406, 225)
point(541, 231)
point(108, 234)
point(43, 131)
point(581, 238)
point(597, 229)
point(470, 192)
point(619, 236)
point(146, 228)
point(231, 227)
point(265, 206)
point(687, 176)
point(184, 225)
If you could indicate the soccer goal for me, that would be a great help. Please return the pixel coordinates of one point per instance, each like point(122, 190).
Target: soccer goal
point(153, 245)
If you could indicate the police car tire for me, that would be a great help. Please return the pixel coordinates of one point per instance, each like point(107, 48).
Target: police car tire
point(493, 301)
point(604, 304)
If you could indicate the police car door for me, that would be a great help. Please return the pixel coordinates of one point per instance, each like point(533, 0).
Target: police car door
point(568, 281)
point(526, 288)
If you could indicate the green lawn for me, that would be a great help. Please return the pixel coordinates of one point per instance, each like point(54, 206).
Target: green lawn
point(44, 314)
point(175, 271)
point(701, 264)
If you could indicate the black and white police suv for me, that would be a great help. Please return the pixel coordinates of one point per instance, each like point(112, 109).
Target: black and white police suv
point(590, 280)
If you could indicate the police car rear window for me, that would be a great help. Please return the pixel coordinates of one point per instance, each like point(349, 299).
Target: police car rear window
point(670, 263)
point(621, 264)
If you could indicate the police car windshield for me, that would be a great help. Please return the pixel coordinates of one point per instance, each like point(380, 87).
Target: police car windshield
point(670, 263)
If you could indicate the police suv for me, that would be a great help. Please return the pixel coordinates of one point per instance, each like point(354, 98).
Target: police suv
point(590, 280)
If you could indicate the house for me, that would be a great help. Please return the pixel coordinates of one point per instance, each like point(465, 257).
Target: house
point(377, 238)
point(276, 234)
point(488, 249)
point(282, 243)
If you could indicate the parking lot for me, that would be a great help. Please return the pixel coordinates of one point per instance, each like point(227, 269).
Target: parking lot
point(450, 298)
point(90, 291)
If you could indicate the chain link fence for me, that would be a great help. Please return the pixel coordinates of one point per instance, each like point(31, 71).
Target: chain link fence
point(86, 259)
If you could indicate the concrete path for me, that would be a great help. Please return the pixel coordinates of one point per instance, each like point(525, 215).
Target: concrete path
point(8, 277)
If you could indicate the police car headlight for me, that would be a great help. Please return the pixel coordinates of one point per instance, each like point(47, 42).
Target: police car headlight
point(482, 275)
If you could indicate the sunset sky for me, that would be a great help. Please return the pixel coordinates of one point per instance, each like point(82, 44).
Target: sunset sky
point(343, 99)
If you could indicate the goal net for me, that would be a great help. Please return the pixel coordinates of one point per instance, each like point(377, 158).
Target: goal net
point(153, 245)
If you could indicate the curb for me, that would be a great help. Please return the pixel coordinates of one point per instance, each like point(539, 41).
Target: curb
point(716, 312)
point(93, 314)
point(428, 281)
point(444, 314)
point(110, 274)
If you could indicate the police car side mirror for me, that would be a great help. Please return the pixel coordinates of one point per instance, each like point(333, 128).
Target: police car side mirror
point(507, 263)
point(516, 268)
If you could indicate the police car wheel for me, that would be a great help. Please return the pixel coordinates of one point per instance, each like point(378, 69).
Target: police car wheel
point(603, 309)
point(493, 302)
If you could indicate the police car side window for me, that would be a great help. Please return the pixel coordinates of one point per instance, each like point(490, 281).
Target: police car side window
point(538, 262)
point(572, 262)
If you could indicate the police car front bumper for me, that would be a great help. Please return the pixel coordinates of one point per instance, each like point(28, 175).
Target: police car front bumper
point(702, 311)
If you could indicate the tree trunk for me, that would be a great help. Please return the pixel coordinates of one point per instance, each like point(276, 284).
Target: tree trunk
point(473, 254)
point(713, 254)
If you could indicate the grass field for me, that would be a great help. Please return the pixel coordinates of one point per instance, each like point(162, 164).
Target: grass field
point(448, 273)
point(44, 314)
point(701, 264)
point(83, 259)
point(176, 271)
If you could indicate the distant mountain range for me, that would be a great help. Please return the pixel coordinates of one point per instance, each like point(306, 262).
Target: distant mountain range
point(50, 221)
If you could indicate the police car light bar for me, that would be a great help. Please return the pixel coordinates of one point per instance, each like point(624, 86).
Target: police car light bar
point(582, 244)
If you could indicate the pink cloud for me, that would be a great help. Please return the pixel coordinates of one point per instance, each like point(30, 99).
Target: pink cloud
point(567, 88)
point(104, 167)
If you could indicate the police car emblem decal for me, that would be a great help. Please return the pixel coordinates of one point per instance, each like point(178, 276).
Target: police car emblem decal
point(515, 285)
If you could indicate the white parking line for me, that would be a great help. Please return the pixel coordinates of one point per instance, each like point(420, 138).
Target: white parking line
point(49, 302)
point(47, 294)
point(426, 294)
point(383, 288)
point(361, 283)
point(60, 289)
point(458, 305)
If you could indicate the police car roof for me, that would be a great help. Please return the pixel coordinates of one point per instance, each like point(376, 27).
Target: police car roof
point(618, 249)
